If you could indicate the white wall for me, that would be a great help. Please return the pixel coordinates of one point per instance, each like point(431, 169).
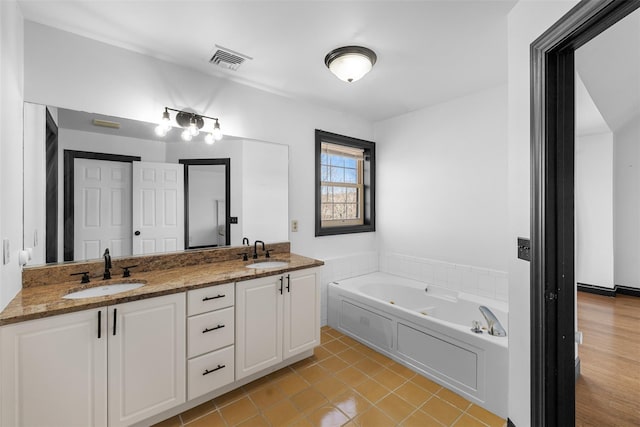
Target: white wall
point(594, 209)
point(70, 71)
point(442, 181)
point(11, 176)
point(627, 204)
point(526, 21)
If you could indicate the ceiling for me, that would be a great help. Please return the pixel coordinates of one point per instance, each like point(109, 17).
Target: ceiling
point(428, 51)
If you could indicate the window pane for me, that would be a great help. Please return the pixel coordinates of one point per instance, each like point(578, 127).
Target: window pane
point(324, 158)
point(350, 163)
point(339, 211)
point(352, 195)
point(337, 160)
point(324, 171)
point(339, 194)
point(351, 176)
point(327, 211)
point(337, 174)
point(352, 211)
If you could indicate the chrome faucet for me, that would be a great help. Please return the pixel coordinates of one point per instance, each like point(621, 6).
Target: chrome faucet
point(255, 248)
point(107, 264)
point(493, 324)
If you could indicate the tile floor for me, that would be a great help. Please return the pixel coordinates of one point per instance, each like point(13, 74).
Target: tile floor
point(344, 384)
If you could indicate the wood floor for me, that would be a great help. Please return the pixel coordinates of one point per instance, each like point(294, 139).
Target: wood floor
point(608, 390)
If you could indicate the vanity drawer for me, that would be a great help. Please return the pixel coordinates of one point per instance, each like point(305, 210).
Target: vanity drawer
point(209, 372)
point(210, 331)
point(211, 298)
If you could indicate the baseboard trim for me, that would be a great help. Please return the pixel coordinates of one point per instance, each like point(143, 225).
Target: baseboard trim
point(577, 368)
point(601, 290)
point(510, 423)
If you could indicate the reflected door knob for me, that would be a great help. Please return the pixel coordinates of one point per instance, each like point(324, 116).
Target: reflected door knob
point(137, 232)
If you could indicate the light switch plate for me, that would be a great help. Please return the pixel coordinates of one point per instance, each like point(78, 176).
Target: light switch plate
point(524, 248)
point(294, 225)
point(6, 252)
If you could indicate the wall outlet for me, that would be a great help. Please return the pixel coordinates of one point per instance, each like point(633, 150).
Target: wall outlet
point(6, 252)
point(524, 248)
point(294, 225)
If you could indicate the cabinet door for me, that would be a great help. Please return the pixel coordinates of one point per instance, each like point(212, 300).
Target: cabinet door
point(54, 371)
point(146, 358)
point(258, 324)
point(301, 312)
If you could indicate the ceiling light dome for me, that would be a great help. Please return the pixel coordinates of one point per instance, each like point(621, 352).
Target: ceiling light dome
point(350, 63)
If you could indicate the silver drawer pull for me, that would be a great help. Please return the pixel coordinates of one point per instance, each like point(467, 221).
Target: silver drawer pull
point(212, 329)
point(210, 298)
point(207, 372)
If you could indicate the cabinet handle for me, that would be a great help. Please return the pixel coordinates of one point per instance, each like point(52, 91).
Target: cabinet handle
point(207, 372)
point(99, 324)
point(210, 298)
point(281, 279)
point(288, 282)
point(115, 318)
point(212, 329)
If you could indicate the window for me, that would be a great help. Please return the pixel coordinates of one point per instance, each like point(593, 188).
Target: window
point(345, 190)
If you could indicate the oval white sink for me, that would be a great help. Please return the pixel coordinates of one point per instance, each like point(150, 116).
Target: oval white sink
point(100, 291)
point(267, 264)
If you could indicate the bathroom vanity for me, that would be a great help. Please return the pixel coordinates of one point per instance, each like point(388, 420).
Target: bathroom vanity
point(192, 332)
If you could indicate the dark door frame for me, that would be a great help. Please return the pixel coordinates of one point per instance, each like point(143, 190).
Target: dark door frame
point(69, 187)
point(51, 191)
point(226, 162)
point(552, 206)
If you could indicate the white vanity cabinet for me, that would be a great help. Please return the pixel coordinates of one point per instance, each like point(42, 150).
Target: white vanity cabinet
point(111, 366)
point(277, 317)
point(210, 339)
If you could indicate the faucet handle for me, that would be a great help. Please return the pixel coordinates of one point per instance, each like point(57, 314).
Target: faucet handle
point(85, 276)
point(245, 256)
point(267, 254)
point(126, 272)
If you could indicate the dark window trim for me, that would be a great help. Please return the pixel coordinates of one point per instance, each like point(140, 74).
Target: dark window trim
point(369, 184)
point(226, 162)
point(552, 206)
point(51, 183)
point(69, 209)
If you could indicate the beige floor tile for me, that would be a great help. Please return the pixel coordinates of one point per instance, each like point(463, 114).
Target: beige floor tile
point(292, 384)
point(402, 370)
point(255, 385)
point(420, 419)
point(372, 390)
point(361, 348)
point(373, 418)
point(453, 398)
point(308, 400)
point(396, 408)
point(334, 333)
point(238, 411)
point(441, 410)
point(351, 403)
point(302, 423)
point(335, 346)
point(348, 341)
point(212, 419)
point(381, 358)
point(313, 373)
point(197, 412)
point(280, 373)
point(325, 338)
point(351, 376)
point(468, 421)
point(304, 363)
point(351, 356)
point(426, 383)
point(229, 397)
point(267, 396)
point(389, 379)
point(282, 413)
point(257, 421)
point(330, 387)
point(485, 416)
point(321, 353)
point(333, 364)
point(413, 394)
point(368, 366)
point(170, 422)
point(327, 416)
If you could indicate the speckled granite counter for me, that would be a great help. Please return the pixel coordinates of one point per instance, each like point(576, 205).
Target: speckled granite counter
point(43, 300)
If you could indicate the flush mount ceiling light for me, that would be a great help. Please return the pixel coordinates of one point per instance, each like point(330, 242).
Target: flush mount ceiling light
point(350, 63)
point(191, 123)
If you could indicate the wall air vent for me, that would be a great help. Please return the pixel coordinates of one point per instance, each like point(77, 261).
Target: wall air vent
point(227, 58)
point(106, 124)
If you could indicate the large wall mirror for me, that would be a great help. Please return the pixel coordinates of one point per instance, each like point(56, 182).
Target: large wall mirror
point(94, 181)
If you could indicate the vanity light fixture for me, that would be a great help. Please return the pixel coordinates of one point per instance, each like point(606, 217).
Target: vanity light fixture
point(350, 63)
point(191, 123)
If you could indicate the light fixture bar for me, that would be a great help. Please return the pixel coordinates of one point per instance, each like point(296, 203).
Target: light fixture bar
point(191, 114)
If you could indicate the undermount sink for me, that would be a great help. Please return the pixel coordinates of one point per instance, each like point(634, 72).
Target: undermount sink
point(267, 264)
point(100, 291)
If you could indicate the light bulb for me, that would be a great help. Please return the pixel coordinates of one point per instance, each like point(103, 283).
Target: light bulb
point(217, 133)
point(166, 121)
point(186, 135)
point(209, 139)
point(193, 126)
point(160, 130)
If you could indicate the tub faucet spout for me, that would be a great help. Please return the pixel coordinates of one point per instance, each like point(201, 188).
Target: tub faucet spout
point(493, 324)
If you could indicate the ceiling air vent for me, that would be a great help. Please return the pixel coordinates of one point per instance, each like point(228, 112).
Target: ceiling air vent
point(227, 58)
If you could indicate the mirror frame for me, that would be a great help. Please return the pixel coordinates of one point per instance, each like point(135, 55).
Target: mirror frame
point(226, 162)
point(69, 186)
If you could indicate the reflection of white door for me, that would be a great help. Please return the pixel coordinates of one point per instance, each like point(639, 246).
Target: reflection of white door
point(158, 207)
point(102, 206)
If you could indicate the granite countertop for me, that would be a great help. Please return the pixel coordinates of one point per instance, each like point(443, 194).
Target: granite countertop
point(47, 300)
